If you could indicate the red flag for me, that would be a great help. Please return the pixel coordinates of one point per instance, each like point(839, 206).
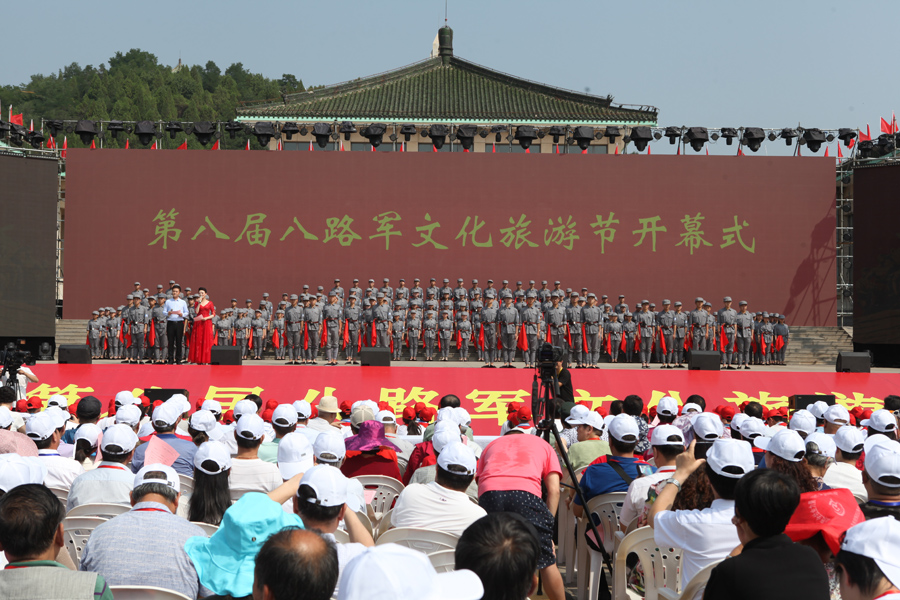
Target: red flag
point(707, 150)
point(342, 146)
point(153, 147)
point(248, 145)
point(434, 148)
point(609, 345)
point(87, 340)
point(678, 152)
point(234, 337)
point(637, 339)
point(280, 147)
point(584, 345)
point(585, 151)
point(93, 145)
point(403, 149)
point(547, 339)
point(152, 339)
point(345, 336)
point(215, 146)
point(65, 145)
point(31, 126)
point(323, 340)
point(617, 149)
point(840, 154)
point(522, 344)
point(648, 150)
point(493, 148)
point(527, 150)
point(276, 343)
point(310, 146)
point(305, 335)
point(458, 340)
point(481, 336)
point(557, 148)
point(50, 142)
point(499, 343)
point(128, 145)
point(779, 343)
point(373, 150)
point(183, 145)
point(662, 341)
point(886, 127)
point(17, 119)
point(740, 152)
point(798, 150)
point(826, 151)
point(867, 137)
point(623, 345)
point(569, 335)
point(438, 336)
point(894, 128)
point(723, 339)
point(373, 335)
point(689, 339)
point(762, 341)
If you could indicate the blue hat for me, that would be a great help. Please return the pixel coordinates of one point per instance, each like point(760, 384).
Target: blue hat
point(225, 560)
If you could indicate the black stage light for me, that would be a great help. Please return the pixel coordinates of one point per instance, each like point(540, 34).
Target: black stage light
point(45, 352)
point(497, 130)
point(657, 135)
point(885, 144)
point(466, 136)
point(753, 137)
point(321, 131)
point(483, 133)
point(526, 134)
point(145, 131)
point(289, 129)
point(788, 134)
point(264, 132)
point(232, 128)
point(641, 136)
point(866, 148)
point(347, 128)
point(204, 131)
point(846, 135)
point(673, 133)
point(729, 133)
point(374, 132)
point(814, 139)
point(86, 130)
point(4, 127)
point(772, 137)
point(115, 127)
point(35, 138)
point(54, 125)
point(438, 134)
point(697, 136)
point(407, 130)
point(612, 132)
point(174, 128)
point(556, 132)
point(304, 130)
point(829, 138)
point(583, 136)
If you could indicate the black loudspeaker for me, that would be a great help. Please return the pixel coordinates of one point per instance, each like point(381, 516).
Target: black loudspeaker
point(853, 362)
point(701, 360)
point(225, 355)
point(74, 354)
point(798, 401)
point(164, 393)
point(375, 357)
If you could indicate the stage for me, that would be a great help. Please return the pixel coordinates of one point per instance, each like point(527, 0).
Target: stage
point(484, 392)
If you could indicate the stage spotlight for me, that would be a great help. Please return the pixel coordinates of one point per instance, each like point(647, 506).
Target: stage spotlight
point(846, 207)
point(438, 134)
point(466, 136)
point(866, 148)
point(814, 139)
point(204, 131)
point(374, 132)
point(289, 129)
point(788, 134)
point(885, 144)
point(729, 133)
point(321, 131)
point(612, 132)
point(407, 130)
point(583, 136)
point(753, 137)
point(115, 127)
point(483, 133)
point(497, 130)
point(657, 135)
point(304, 130)
point(174, 128)
point(86, 130)
point(540, 133)
point(846, 135)
point(772, 137)
point(35, 138)
point(641, 136)
point(848, 237)
point(347, 128)
point(232, 128)
point(17, 134)
point(525, 134)
point(145, 131)
point(673, 133)
point(264, 132)
point(54, 125)
point(829, 138)
point(846, 178)
point(556, 132)
point(697, 136)
point(45, 352)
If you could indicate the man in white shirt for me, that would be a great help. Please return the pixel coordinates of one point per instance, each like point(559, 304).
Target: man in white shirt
point(389, 420)
point(667, 442)
point(323, 500)
point(44, 431)
point(248, 472)
point(708, 535)
point(843, 473)
point(176, 311)
point(112, 481)
point(442, 504)
point(328, 412)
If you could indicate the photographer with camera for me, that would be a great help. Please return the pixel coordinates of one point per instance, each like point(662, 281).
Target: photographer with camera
point(14, 362)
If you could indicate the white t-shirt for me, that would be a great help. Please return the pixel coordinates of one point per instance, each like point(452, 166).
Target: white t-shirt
point(23, 382)
point(637, 494)
point(843, 475)
point(433, 506)
point(252, 475)
point(61, 471)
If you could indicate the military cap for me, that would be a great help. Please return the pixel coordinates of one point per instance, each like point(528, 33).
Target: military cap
point(137, 283)
point(371, 281)
point(130, 297)
point(628, 314)
point(554, 295)
point(707, 304)
point(95, 313)
point(249, 300)
point(234, 299)
point(477, 293)
point(575, 294)
point(279, 311)
point(643, 302)
point(652, 305)
point(544, 282)
point(258, 310)
point(397, 313)
point(742, 303)
point(120, 307)
point(759, 314)
point(460, 280)
point(475, 281)
point(306, 287)
point(433, 279)
point(518, 283)
point(160, 296)
point(604, 297)
point(416, 279)
point(765, 314)
point(726, 299)
point(356, 281)
point(490, 294)
point(265, 294)
point(698, 299)
point(146, 290)
point(677, 303)
point(159, 286)
point(591, 296)
point(621, 296)
point(667, 301)
point(171, 282)
point(224, 311)
point(613, 314)
point(430, 293)
point(531, 295)
point(557, 283)
point(464, 313)
point(187, 289)
point(386, 279)
point(320, 288)
point(531, 281)
point(446, 280)
point(332, 293)
point(379, 295)
point(490, 281)
point(782, 317)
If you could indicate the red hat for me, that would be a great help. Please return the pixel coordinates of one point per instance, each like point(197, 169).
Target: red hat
point(852, 420)
point(427, 414)
point(22, 406)
point(33, 403)
point(585, 404)
point(154, 405)
point(744, 405)
point(199, 403)
point(314, 412)
point(867, 414)
point(652, 413)
point(73, 408)
point(228, 417)
point(409, 414)
point(856, 411)
point(831, 512)
point(111, 407)
point(765, 413)
point(603, 410)
point(384, 405)
point(267, 415)
point(272, 403)
point(346, 407)
point(419, 406)
point(523, 415)
point(779, 412)
point(145, 401)
point(512, 408)
point(726, 411)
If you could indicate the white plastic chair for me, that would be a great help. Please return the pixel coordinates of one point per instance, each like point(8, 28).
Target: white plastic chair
point(590, 564)
point(443, 561)
point(426, 541)
point(620, 535)
point(694, 587)
point(144, 592)
point(661, 566)
point(209, 528)
point(386, 491)
point(76, 531)
point(62, 494)
point(384, 524)
point(107, 511)
point(187, 484)
point(567, 539)
point(341, 536)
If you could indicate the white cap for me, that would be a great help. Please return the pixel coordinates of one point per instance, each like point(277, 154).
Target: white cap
point(120, 438)
point(331, 487)
point(329, 447)
point(295, 455)
point(664, 435)
point(303, 408)
point(882, 421)
point(167, 413)
point(883, 460)
point(88, 432)
point(707, 426)
point(849, 439)
point(446, 425)
point(730, 453)
point(60, 416)
point(244, 407)
point(588, 417)
point(58, 400)
point(361, 414)
point(18, 470)
point(462, 416)
point(753, 427)
point(395, 572)
point(625, 429)
point(457, 453)
point(786, 444)
point(216, 452)
point(386, 416)
point(803, 421)
point(738, 420)
point(203, 420)
point(577, 414)
point(818, 409)
point(837, 414)
point(183, 402)
point(446, 414)
point(6, 417)
point(284, 415)
point(877, 539)
point(40, 426)
point(824, 441)
point(691, 407)
point(125, 397)
point(213, 406)
point(171, 477)
point(668, 407)
point(250, 427)
point(129, 415)
point(445, 438)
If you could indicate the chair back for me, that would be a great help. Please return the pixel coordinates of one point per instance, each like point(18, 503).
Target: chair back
point(107, 511)
point(662, 566)
point(384, 524)
point(76, 531)
point(62, 494)
point(423, 540)
point(341, 536)
point(187, 484)
point(208, 528)
point(606, 507)
point(144, 592)
point(695, 586)
point(386, 489)
point(443, 561)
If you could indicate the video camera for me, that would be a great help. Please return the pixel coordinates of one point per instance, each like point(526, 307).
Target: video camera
point(12, 360)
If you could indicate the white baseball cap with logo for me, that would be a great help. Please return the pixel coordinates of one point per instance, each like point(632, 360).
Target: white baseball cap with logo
point(625, 429)
point(118, 439)
point(825, 443)
point(295, 455)
point(462, 416)
point(668, 407)
point(213, 406)
point(849, 439)
point(786, 444)
point(18, 470)
point(576, 414)
point(212, 458)
point(40, 426)
point(386, 417)
point(331, 487)
point(877, 539)
point(735, 455)
point(128, 415)
point(445, 438)
point(125, 397)
point(88, 432)
point(203, 420)
point(882, 421)
point(738, 420)
point(818, 409)
point(883, 461)
point(329, 448)
point(707, 426)
point(667, 435)
point(244, 407)
point(284, 415)
point(803, 421)
point(182, 401)
point(6, 418)
point(753, 427)
point(60, 416)
point(58, 400)
point(303, 408)
point(459, 455)
point(169, 476)
point(837, 414)
point(691, 407)
point(250, 427)
point(167, 413)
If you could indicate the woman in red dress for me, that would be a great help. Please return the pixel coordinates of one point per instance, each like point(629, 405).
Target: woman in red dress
point(202, 330)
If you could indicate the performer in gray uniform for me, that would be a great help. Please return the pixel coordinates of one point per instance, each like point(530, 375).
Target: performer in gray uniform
point(476, 306)
point(381, 320)
point(533, 321)
point(414, 333)
point(465, 335)
point(555, 318)
point(429, 328)
point(743, 322)
point(767, 333)
point(725, 319)
point(682, 324)
point(508, 327)
point(277, 325)
point(333, 315)
point(629, 332)
point(489, 327)
point(712, 329)
point(592, 316)
point(574, 320)
point(445, 330)
point(665, 321)
point(781, 329)
point(613, 332)
point(647, 329)
point(161, 343)
point(223, 329)
point(293, 325)
point(312, 315)
point(242, 331)
point(139, 321)
point(353, 318)
point(259, 327)
point(398, 333)
point(699, 325)
point(95, 335)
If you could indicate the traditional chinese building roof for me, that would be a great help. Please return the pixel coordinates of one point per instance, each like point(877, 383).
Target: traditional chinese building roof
point(448, 88)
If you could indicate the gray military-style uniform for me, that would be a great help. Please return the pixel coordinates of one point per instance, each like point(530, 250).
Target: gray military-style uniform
point(381, 320)
point(95, 337)
point(555, 319)
point(398, 329)
point(767, 333)
point(613, 331)
point(332, 314)
point(161, 343)
point(445, 330)
point(293, 325)
point(489, 324)
point(259, 327)
point(785, 332)
point(725, 318)
point(241, 332)
point(744, 335)
point(629, 331)
point(413, 333)
point(138, 318)
point(646, 324)
point(312, 315)
point(574, 318)
point(429, 328)
point(699, 321)
point(508, 319)
point(223, 330)
point(352, 316)
point(277, 325)
point(665, 320)
point(592, 317)
point(533, 320)
point(682, 322)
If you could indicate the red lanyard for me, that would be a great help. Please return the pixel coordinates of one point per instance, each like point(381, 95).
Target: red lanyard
point(112, 467)
point(162, 510)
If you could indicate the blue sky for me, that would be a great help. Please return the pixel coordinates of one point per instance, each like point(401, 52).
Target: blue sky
point(816, 63)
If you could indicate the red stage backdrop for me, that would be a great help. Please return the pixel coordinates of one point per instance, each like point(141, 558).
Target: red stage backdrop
point(242, 223)
point(483, 393)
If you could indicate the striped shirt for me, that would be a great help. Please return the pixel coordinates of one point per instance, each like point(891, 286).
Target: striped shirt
point(101, 589)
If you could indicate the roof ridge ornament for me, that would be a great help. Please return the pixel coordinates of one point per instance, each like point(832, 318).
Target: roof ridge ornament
point(445, 44)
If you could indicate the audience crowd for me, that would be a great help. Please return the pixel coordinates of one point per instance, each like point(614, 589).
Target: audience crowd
point(277, 501)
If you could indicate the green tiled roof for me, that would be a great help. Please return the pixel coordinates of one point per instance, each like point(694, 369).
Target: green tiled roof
point(450, 89)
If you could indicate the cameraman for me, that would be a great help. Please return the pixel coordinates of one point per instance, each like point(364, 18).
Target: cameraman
point(23, 375)
point(566, 392)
